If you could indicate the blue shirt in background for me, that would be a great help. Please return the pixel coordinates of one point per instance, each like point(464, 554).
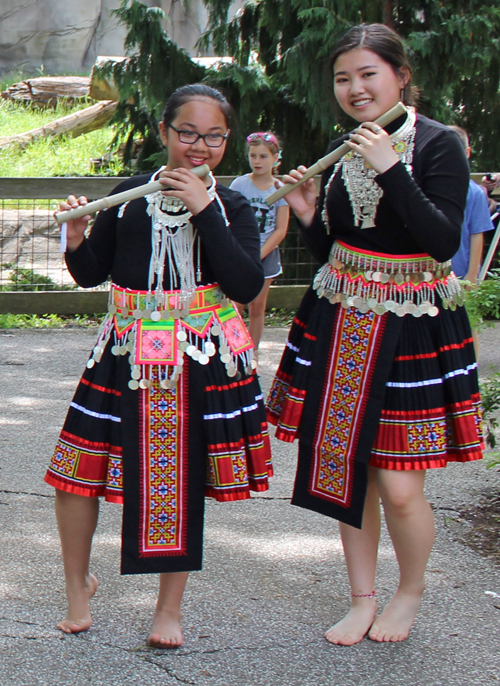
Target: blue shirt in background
point(476, 220)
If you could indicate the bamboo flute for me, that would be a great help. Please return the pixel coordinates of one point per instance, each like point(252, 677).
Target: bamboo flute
point(120, 198)
point(333, 157)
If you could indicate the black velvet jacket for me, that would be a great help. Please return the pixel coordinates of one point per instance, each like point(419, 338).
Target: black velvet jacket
point(121, 247)
point(419, 214)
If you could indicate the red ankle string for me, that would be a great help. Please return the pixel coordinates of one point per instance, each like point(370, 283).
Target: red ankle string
point(364, 595)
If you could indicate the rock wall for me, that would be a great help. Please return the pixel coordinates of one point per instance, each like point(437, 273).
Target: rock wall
point(63, 36)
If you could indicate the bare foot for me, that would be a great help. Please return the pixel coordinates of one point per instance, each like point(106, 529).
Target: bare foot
point(396, 620)
point(166, 631)
point(354, 627)
point(78, 616)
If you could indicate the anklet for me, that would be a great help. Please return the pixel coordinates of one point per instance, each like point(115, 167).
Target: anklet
point(364, 595)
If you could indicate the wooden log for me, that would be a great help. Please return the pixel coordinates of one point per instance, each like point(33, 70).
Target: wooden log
point(83, 121)
point(48, 90)
point(103, 88)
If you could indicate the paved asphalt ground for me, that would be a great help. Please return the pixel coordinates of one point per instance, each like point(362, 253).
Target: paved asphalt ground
point(273, 581)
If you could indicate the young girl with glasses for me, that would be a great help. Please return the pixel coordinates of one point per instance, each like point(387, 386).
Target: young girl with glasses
point(169, 407)
point(264, 154)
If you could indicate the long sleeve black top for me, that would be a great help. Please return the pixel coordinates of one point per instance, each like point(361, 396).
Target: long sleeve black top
point(121, 247)
point(422, 213)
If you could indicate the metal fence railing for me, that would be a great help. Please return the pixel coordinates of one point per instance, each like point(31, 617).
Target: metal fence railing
point(29, 236)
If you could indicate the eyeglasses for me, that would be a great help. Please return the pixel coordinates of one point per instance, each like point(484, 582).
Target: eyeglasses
point(213, 140)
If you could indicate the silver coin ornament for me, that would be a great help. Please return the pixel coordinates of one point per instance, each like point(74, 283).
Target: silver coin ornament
point(215, 330)
point(112, 309)
point(433, 311)
point(166, 315)
point(115, 350)
point(90, 363)
point(133, 384)
point(210, 349)
point(181, 336)
point(137, 314)
point(203, 359)
point(155, 316)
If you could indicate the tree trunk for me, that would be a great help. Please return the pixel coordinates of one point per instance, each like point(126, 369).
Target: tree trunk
point(47, 90)
point(388, 13)
point(75, 124)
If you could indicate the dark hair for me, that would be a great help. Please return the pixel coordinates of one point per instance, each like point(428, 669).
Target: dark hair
point(385, 43)
point(196, 91)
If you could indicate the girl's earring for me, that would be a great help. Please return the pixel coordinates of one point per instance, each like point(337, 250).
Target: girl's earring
point(402, 95)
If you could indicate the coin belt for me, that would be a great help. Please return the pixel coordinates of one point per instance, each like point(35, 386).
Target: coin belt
point(198, 331)
point(387, 283)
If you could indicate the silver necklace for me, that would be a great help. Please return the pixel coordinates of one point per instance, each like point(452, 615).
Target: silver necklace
point(359, 178)
point(173, 240)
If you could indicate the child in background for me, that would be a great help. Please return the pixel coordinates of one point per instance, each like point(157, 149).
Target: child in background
point(264, 154)
point(467, 260)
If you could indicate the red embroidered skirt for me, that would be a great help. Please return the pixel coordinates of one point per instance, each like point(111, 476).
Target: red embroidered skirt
point(357, 389)
point(160, 451)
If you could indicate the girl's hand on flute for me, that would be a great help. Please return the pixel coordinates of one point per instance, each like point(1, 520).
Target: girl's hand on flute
point(186, 186)
point(303, 200)
point(76, 228)
point(374, 145)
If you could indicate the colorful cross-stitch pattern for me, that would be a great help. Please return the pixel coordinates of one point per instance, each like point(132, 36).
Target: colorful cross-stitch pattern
point(350, 367)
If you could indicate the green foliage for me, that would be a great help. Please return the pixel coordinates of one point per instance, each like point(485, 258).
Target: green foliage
point(155, 67)
point(455, 49)
point(276, 316)
point(280, 77)
point(23, 279)
point(483, 301)
point(490, 400)
point(51, 156)
point(29, 321)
